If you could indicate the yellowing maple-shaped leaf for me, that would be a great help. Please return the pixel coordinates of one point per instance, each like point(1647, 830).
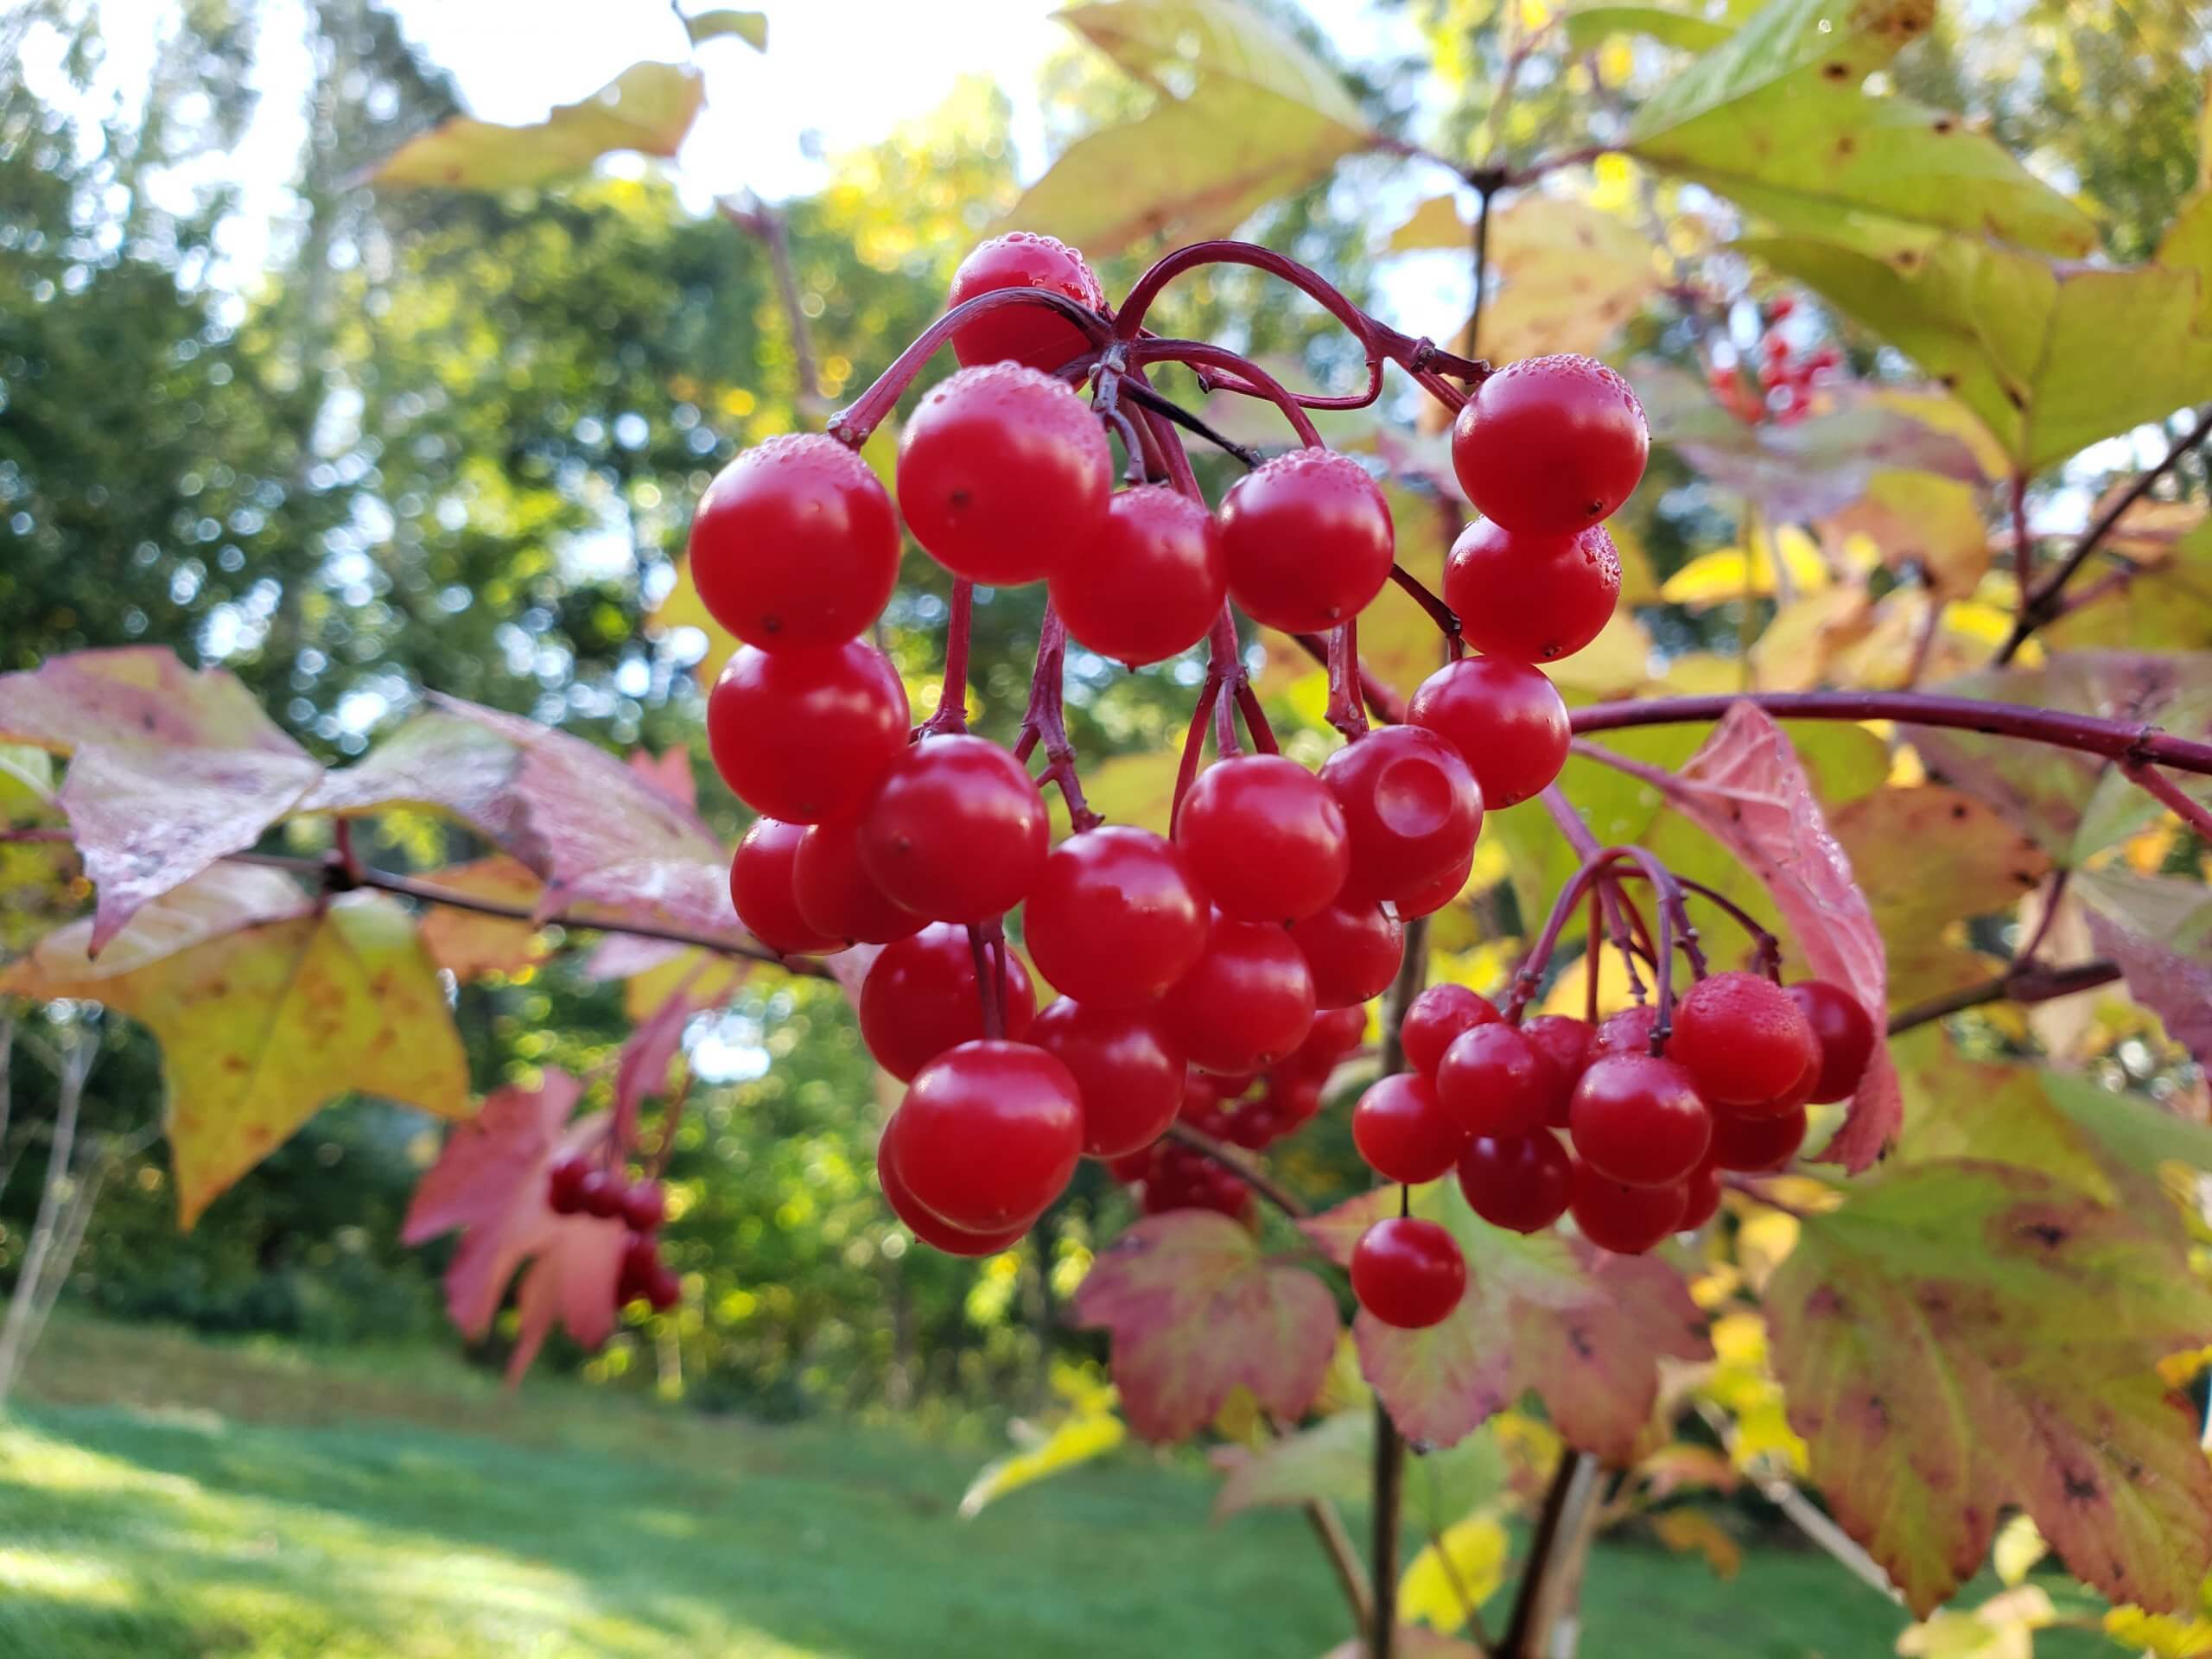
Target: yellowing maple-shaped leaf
point(1923, 523)
point(649, 107)
point(469, 944)
point(1961, 1336)
point(266, 1008)
point(171, 768)
point(1569, 277)
point(1195, 1309)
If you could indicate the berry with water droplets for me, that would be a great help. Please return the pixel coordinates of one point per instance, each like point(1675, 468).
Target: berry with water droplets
point(1035, 335)
point(1306, 540)
point(1550, 445)
point(1531, 599)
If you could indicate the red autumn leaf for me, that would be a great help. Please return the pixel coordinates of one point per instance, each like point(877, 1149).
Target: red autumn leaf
point(1745, 787)
point(1584, 1329)
point(170, 768)
point(1195, 1309)
point(489, 1181)
point(652, 1047)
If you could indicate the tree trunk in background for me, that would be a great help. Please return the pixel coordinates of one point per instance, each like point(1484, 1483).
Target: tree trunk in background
point(24, 1320)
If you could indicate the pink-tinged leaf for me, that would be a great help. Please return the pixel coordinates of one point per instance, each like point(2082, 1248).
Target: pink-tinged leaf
point(489, 1181)
point(670, 773)
point(1195, 1309)
point(1961, 1336)
point(650, 1049)
point(2160, 932)
point(469, 944)
point(1584, 1329)
point(437, 762)
point(1745, 787)
point(170, 769)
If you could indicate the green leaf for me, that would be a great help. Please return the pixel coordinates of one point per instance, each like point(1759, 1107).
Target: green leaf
point(648, 108)
point(1774, 118)
point(2050, 357)
point(1165, 43)
point(751, 27)
point(1583, 1329)
point(1961, 1336)
point(2139, 1133)
point(1334, 1460)
point(1959, 1109)
point(1593, 26)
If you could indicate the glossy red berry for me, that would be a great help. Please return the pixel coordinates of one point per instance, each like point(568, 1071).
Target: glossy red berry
point(1494, 1081)
point(1129, 1077)
point(1627, 1220)
point(663, 1288)
point(1744, 1038)
point(1518, 1181)
point(1116, 916)
point(989, 1135)
point(1550, 444)
point(1628, 1032)
point(1248, 1003)
point(1408, 1272)
point(1701, 1197)
point(1568, 1043)
point(1410, 806)
point(795, 544)
point(1756, 1146)
point(805, 734)
point(645, 1206)
point(1335, 1034)
point(1639, 1119)
point(564, 1184)
point(1150, 584)
point(1266, 837)
point(1402, 1130)
point(919, 998)
point(1845, 1033)
point(760, 887)
point(598, 1193)
point(1004, 474)
point(956, 831)
point(926, 1227)
point(640, 1263)
point(1353, 950)
point(1505, 720)
point(1428, 899)
point(1437, 1016)
point(1531, 599)
point(836, 896)
point(1307, 540)
point(1032, 334)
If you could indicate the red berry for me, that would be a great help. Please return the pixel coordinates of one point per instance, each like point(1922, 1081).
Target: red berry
point(956, 831)
point(1628, 1032)
point(1494, 1081)
point(1568, 1043)
point(836, 896)
point(1004, 474)
point(663, 1288)
point(919, 998)
point(795, 544)
point(640, 1261)
point(1408, 1273)
point(645, 1206)
point(1845, 1033)
point(1437, 1016)
point(1427, 901)
point(1293, 1101)
point(1150, 584)
point(1627, 1220)
point(1248, 1003)
point(1757, 1145)
point(761, 889)
point(805, 734)
point(1639, 1119)
point(1335, 1034)
point(599, 1194)
point(1116, 916)
point(1505, 719)
point(926, 1227)
point(1402, 1130)
point(1033, 334)
point(989, 1135)
point(1130, 1079)
point(1353, 950)
point(1743, 1038)
point(1517, 1181)
point(1410, 807)
point(1531, 599)
point(1550, 444)
point(1701, 1197)
point(1308, 541)
point(564, 1184)
point(1266, 837)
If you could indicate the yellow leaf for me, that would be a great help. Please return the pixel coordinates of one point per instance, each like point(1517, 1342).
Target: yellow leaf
point(468, 945)
point(2159, 1634)
point(2018, 1547)
point(648, 107)
point(1716, 578)
point(2003, 1627)
point(1435, 224)
point(1947, 413)
point(1617, 662)
point(1931, 523)
point(706, 977)
point(1439, 1586)
point(1792, 653)
point(1686, 1530)
point(1138, 789)
point(1078, 1439)
point(1569, 276)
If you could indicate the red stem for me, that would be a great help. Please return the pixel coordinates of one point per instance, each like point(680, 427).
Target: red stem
point(951, 713)
point(1198, 353)
point(2169, 795)
point(1046, 721)
point(1346, 681)
point(1447, 618)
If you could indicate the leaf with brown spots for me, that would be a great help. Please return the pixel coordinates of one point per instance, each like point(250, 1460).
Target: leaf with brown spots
point(1196, 1309)
point(266, 1008)
point(1961, 1336)
point(1584, 1329)
point(171, 768)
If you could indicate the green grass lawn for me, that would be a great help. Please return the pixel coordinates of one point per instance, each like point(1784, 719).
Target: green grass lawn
point(164, 1498)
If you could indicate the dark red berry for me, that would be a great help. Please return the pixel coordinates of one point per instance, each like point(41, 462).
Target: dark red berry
point(1427, 901)
point(645, 1206)
point(805, 734)
point(1627, 1220)
point(1116, 916)
point(1756, 1146)
point(663, 1288)
point(834, 895)
point(1568, 1043)
point(1550, 444)
point(1032, 334)
point(1505, 720)
point(1437, 1016)
point(1353, 950)
point(956, 831)
point(640, 1261)
point(564, 1184)
point(1518, 1182)
point(1150, 584)
point(926, 1227)
point(795, 544)
point(1744, 1038)
point(760, 887)
point(599, 1193)
point(1493, 1081)
point(919, 998)
point(1266, 837)
point(1845, 1033)
point(1410, 807)
point(1129, 1077)
point(1248, 1003)
point(1408, 1273)
point(1701, 1197)
point(1402, 1130)
point(989, 1135)
point(1308, 541)
point(1639, 1119)
point(1628, 1032)
point(1531, 599)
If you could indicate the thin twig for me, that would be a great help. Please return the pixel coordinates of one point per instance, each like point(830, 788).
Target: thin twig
point(762, 220)
point(1344, 1558)
point(2027, 984)
point(1244, 1167)
point(1574, 1476)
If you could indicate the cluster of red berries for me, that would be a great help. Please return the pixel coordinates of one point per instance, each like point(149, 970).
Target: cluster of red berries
point(1785, 376)
point(1281, 895)
point(577, 1186)
point(1651, 1121)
